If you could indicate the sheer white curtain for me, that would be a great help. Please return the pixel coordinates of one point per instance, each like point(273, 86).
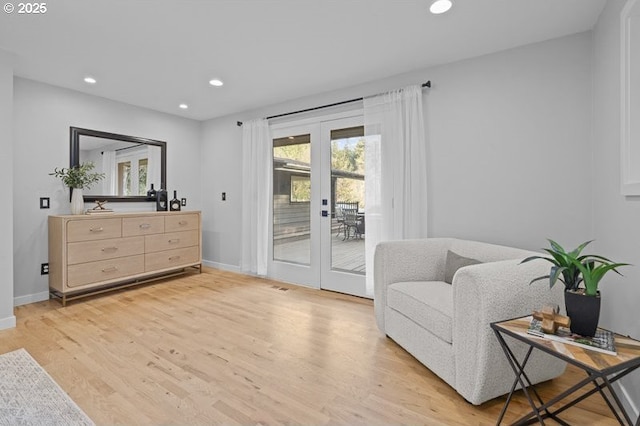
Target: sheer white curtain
point(256, 195)
point(109, 184)
point(395, 170)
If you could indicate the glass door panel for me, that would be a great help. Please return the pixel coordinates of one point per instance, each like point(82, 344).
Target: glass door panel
point(343, 265)
point(347, 193)
point(294, 251)
point(292, 199)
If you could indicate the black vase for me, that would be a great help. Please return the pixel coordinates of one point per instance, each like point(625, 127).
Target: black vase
point(151, 194)
point(584, 312)
point(162, 202)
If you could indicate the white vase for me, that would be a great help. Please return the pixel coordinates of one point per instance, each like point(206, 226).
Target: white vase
point(77, 201)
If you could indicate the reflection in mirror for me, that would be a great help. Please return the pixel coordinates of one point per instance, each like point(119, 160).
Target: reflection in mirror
point(130, 164)
point(129, 168)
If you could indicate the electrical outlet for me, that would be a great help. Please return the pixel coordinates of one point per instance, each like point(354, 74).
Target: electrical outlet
point(183, 202)
point(44, 269)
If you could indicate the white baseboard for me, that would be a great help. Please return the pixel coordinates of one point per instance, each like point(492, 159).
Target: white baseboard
point(626, 400)
point(8, 322)
point(30, 298)
point(223, 266)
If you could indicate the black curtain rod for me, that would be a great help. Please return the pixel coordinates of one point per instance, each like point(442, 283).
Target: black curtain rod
point(239, 123)
point(122, 149)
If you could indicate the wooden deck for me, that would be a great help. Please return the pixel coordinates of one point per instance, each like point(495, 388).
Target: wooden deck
point(345, 255)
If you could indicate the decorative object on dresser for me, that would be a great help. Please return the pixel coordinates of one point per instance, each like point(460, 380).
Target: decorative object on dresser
point(174, 204)
point(162, 200)
point(151, 194)
point(573, 269)
point(77, 178)
point(89, 255)
point(99, 208)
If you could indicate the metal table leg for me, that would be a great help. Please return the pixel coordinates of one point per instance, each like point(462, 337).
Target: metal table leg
point(521, 378)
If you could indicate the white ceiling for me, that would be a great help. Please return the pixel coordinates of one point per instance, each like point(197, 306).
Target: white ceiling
point(157, 54)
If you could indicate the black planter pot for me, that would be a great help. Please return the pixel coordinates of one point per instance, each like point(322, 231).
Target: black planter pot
point(584, 312)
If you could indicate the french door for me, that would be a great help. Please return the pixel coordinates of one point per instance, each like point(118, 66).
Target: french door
point(318, 215)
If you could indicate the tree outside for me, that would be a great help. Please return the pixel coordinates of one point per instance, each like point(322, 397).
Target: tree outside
point(348, 155)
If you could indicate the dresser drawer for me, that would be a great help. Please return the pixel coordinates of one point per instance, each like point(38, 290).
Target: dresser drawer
point(172, 240)
point(90, 251)
point(171, 258)
point(181, 222)
point(93, 229)
point(143, 225)
point(104, 270)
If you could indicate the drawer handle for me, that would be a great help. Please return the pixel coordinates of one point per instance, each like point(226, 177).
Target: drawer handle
point(172, 258)
point(182, 222)
point(145, 225)
point(110, 269)
point(174, 241)
point(96, 229)
point(110, 249)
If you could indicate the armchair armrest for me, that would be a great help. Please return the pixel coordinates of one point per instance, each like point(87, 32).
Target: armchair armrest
point(406, 260)
point(483, 294)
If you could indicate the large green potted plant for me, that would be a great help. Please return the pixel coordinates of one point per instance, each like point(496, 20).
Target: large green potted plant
point(78, 178)
point(573, 268)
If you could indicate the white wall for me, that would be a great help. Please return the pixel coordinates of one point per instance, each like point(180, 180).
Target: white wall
point(221, 172)
point(42, 117)
point(502, 128)
point(616, 218)
point(508, 141)
point(7, 319)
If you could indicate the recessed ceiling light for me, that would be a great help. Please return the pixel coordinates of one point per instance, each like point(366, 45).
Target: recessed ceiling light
point(183, 106)
point(440, 6)
point(216, 82)
point(90, 80)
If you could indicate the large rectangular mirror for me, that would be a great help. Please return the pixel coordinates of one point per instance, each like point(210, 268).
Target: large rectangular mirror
point(130, 164)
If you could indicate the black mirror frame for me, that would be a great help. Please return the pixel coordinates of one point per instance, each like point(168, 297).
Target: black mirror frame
point(74, 160)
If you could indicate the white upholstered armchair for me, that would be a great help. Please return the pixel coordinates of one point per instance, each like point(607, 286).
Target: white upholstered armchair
point(446, 325)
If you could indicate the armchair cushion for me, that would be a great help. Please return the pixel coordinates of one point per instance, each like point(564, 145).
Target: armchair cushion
point(455, 262)
point(428, 303)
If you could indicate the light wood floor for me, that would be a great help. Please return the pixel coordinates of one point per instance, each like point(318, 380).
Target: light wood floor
point(222, 348)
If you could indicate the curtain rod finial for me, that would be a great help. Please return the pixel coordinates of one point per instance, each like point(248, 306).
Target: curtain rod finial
point(239, 123)
point(427, 84)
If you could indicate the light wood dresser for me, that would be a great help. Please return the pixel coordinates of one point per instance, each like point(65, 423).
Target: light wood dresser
point(89, 254)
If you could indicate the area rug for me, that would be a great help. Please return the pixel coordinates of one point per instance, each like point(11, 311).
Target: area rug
point(29, 396)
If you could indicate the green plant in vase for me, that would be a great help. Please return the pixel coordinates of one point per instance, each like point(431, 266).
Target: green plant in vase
point(78, 178)
point(574, 268)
